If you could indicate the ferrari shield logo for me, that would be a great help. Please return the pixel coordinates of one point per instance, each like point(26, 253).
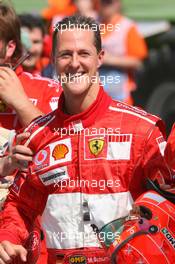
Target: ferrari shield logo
point(96, 146)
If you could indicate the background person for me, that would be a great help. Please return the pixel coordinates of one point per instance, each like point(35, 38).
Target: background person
point(20, 91)
point(86, 8)
point(33, 28)
point(124, 48)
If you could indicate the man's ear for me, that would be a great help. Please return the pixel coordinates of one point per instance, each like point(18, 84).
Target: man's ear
point(10, 49)
point(100, 58)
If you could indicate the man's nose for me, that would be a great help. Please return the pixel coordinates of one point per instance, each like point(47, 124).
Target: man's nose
point(32, 48)
point(75, 61)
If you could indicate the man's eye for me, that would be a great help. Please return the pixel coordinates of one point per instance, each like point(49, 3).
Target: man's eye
point(84, 54)
point(64, 56)
point(37, 41)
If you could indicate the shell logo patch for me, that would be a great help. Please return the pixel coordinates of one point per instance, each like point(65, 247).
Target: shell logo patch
point(96, 146)
point(60, 151)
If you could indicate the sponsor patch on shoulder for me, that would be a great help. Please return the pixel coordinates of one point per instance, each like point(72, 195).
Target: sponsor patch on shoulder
point(54, 176)
point(132, 108)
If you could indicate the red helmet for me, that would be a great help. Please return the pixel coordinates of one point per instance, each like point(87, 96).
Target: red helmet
point(147, 237)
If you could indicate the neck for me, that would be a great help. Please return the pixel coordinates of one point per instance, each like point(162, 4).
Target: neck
point(75, 104)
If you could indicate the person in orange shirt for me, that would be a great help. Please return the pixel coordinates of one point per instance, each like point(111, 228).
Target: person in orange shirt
point(125, 49)
point(59, 8)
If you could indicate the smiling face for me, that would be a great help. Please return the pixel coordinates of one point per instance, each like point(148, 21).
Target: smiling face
point(36, 40)
point(77, 61)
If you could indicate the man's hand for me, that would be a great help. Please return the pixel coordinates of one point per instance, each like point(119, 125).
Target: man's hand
point(11, 89)
point(20, 154)
point(9, 251)
point(18, 157)
point(13, 94)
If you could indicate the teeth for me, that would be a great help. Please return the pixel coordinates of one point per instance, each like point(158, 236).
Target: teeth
point(77, 75)
point(73, 77)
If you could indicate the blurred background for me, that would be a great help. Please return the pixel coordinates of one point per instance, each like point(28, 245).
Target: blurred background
point(145, 9)
point(155, 21)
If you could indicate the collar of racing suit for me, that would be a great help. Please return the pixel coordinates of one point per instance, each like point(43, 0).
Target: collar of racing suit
point(94, 112)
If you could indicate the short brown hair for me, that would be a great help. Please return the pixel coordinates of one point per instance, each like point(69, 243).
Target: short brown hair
point(10, 29)
point(81, 22)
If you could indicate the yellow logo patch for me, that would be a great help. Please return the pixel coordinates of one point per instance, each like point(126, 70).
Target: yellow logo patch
point(96, 146)
point(77, 259)
point(60, 151)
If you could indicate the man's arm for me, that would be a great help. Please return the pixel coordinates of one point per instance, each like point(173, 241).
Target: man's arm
point(12, 93)
point(18, 216)
point(152, 163)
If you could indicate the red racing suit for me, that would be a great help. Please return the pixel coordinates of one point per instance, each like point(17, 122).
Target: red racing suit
point(43, 93)
point(86, 172)
point(170, 149)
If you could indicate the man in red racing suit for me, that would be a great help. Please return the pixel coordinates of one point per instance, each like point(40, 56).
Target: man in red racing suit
point(85, 178)
point(17, 88)
point(42, 92)
point(92, 157)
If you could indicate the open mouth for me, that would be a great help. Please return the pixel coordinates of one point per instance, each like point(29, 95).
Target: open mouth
point(75, 77)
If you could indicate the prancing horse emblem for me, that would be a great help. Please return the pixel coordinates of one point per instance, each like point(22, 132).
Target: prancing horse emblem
point(96, 146)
